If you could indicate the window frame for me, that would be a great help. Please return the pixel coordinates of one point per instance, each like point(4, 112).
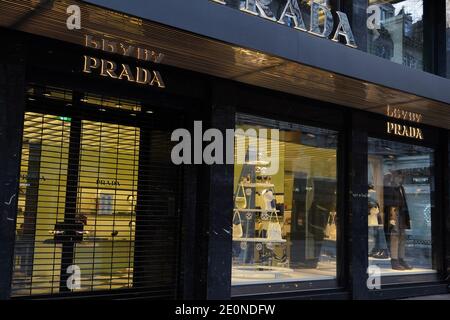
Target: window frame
point(434, 138)
point(267, 289)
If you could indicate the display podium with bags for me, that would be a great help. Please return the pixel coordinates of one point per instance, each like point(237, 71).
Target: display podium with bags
point(257, 233)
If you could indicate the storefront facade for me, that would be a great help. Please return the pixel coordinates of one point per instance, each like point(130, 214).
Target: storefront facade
point(93, 205)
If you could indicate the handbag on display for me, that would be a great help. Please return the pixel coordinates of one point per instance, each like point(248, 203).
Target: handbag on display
point(330, 229)
point(374, 213)
point(241, 201)
point(237, 227)
point(374, 217)
point(274, 228)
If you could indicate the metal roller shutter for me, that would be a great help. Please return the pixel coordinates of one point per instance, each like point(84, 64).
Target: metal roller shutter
point(98, 205)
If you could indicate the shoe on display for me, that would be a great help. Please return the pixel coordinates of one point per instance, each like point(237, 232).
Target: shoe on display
point(405, 265)
point(283, 259)
point(395, 264)
point(375, 253)
point(383, 254)
point(379, 254)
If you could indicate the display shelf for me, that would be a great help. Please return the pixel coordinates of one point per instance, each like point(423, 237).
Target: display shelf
point(243, 275)
point(258, 185)
point(257, 163)
point(261, 272)
point(257, 210)
point(262, 240)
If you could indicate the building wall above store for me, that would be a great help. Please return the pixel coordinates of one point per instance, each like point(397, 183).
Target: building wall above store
point(299, 63)
point(204, 17)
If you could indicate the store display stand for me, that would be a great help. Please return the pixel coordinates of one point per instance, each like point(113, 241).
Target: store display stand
point(250, 244)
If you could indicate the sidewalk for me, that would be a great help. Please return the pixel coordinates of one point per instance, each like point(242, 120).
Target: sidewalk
point(436, 297)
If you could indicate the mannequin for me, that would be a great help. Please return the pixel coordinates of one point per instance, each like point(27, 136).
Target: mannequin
point(397, 219)
point(379, 250)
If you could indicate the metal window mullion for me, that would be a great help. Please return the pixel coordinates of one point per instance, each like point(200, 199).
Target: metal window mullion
point(68, 249)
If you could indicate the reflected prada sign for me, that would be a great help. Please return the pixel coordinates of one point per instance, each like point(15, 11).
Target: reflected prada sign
point(122, 71)
point(321, 20)
point(401, 129)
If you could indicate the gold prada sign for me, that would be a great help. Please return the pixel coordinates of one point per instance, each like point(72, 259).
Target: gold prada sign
point(404, 130)
point(110, 69)
point(107, 68)
point(399, 113)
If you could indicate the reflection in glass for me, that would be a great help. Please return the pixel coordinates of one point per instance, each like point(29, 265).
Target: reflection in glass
point(284, 224)
point(399, 34)
point(400, 192)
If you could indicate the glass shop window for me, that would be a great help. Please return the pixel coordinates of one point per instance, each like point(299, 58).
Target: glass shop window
point(285, 217)
point(401, 186)
point(395, 31)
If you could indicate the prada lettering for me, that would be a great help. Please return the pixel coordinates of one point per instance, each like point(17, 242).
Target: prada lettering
point(124, 49)
point(108, 182)
point(111, 69)
point(321, 18)
point(404, 131)
point(398, 113)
